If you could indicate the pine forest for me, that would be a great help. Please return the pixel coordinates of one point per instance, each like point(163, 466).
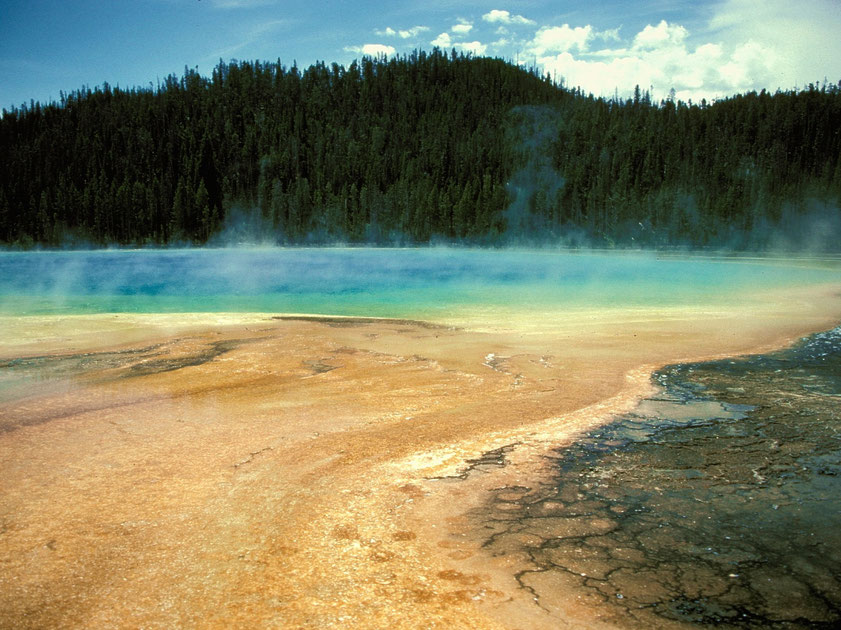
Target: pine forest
point(427, 148)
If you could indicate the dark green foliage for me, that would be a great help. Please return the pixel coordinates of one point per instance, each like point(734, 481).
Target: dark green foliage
point(716, 174)
point(424, 147)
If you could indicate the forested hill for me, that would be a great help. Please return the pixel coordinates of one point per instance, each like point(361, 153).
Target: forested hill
point(427, 147)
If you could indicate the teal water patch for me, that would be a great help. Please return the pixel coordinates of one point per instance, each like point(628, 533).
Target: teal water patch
point(371, 282)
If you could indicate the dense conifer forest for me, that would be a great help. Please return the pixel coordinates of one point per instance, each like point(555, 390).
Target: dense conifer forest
point(430, 147)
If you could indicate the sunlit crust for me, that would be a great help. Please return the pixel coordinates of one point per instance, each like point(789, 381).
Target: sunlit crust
point(239, 471)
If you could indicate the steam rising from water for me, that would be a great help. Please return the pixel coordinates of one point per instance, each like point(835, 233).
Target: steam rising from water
point(537, 183)
point(430, 283)
point(539, 214)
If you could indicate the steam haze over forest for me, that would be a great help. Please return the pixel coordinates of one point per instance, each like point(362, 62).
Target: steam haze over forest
point(363, 315)
point(705, 125)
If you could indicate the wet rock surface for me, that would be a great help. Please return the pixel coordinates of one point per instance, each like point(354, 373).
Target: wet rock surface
point(715, 503)
point(126, 363)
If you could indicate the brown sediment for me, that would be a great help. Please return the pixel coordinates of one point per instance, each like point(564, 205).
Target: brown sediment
point(287, 473)
point(348, 321)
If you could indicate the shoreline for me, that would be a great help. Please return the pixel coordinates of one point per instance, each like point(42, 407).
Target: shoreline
point(55, 332)
point(293, 472)
point(618, 530)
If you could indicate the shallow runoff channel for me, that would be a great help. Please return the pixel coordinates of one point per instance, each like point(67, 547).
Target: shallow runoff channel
point(715, 502)
point(711, 503)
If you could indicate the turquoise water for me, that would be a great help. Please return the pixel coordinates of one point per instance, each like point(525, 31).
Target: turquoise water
point(373, 282)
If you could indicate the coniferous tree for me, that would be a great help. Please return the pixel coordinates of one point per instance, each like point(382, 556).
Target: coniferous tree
point(427, 146)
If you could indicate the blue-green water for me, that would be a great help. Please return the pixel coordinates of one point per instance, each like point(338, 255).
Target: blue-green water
point(373, 282)
point(715, 504)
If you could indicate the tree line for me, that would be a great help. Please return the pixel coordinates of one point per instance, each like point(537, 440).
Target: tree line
point(423, 147)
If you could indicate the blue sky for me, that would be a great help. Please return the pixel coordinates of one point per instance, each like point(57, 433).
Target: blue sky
point(702, 49)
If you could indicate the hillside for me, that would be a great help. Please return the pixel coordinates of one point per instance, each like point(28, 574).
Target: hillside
point(427, 147)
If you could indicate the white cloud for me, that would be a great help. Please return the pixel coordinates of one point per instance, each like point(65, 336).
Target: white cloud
point(442, 41)
point(700, 69)
point(413, 32)
point(402, 33)
point(743, 47)
point(557, 39)
point(504, 17)
point(377, 49)
point(748, 61)
point(659, 58)
point(599, 77)
point(661, 35)
point(373, 50)
point(608, 52)
point(803, 36)
point(611, 34)
point(476, 48)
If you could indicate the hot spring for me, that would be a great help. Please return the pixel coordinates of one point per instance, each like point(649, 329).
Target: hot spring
point(254, 448)
point(437, 284)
